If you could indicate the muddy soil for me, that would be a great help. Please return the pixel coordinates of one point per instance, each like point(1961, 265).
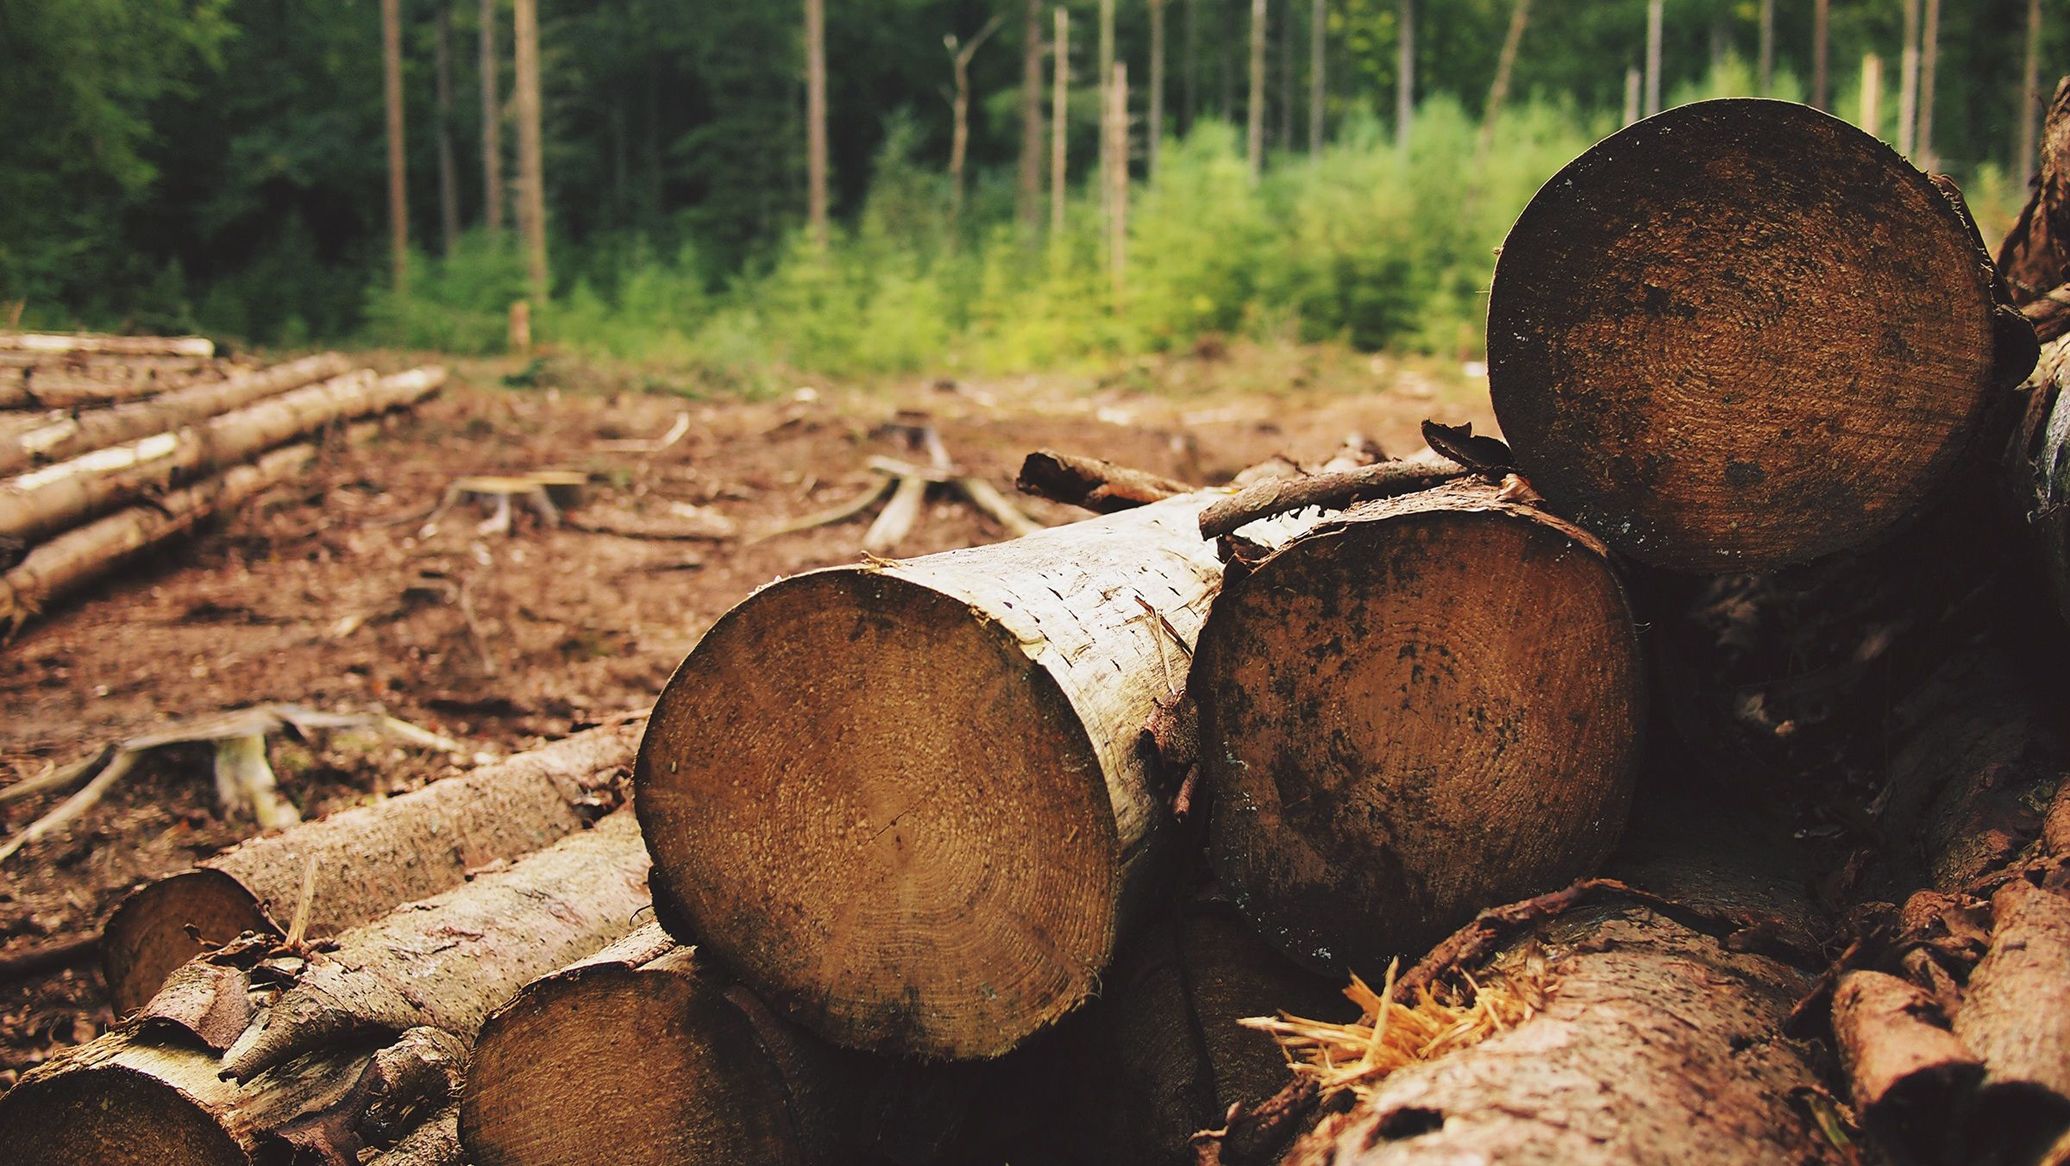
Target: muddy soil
point(341, 593)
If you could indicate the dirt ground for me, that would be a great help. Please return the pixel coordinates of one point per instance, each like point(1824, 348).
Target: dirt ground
point(337, 594)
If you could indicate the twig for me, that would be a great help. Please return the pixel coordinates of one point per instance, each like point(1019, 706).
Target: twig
point(989, 500)
point(1088, 482)
point(52, 779)
point(71, 808)
point(1266, 499)
point(298, 926)
point(840, 513)
point(675, 434)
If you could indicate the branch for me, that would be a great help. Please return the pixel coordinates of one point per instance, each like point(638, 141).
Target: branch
point(1093, 484)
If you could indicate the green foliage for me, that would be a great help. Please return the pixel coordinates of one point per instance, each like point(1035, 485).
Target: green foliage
point(458, 304)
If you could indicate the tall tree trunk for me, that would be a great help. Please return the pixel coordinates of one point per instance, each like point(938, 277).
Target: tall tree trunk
point(1104, 80)
point(491, 66)
point(1404, 72)
point(1929, 59)
point(448, 168)
point(1117, 193)
point(531, 149)
point(959, 107)
point(1059, 121)
point(1765, 70)
point(1154, 131)
point(1908, 82)
point(1254, 131)
point(1505, 65)
point(1871, 112)
point(2030, 97)
point(1821, 94)
point(1189, 76)
point(1283, 135)
point(1318, 47)
point(1029, 188)
point(398, 185)
point(1654, 19)
point(1634, 91)
point(816, 121)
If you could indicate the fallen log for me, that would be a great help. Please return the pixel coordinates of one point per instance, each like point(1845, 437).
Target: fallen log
point(1418, 707)
point(2034, 259)
point(1091, 483)
point(435, 1142)
point(1634, 1028)
point(1743, 334)
point(38, 504)
point(67, 436)
point(905, 801)
point(643, 1036)
point(58, 344)
point(368, 859)
point(2014, 1019)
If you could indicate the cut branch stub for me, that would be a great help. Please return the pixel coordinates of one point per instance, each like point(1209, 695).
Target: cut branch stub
point(905, 802)
point(1428, 705)
point(1740, 334)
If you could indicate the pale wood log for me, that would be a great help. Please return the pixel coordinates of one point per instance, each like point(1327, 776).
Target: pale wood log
point(68, 436)
point(50, 344)
point(42, 502)
point(2013, 1015)
point(929, 772)
point(369, 859)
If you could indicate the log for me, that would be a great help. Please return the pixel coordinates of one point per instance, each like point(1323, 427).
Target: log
point(436, 1142)
point(68, 436)
point(1422, 706)
point(905, 802)
point(2034, 258)
point(2013, 1017)
point(644, 1036)
point(1743, 334)
point(43, 502)
point(368, 859)
point(1653, 1035)
point(1091, 483)
point(55, 344)
point(1905, 1069)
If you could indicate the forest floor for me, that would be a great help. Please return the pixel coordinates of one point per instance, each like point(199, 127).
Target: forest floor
point(336, 595)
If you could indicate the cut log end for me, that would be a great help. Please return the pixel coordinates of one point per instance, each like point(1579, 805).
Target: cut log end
point(116, 1114)
point(557, 1073)
point(149, 934)
point(1740, 334)
point(864, 796)
point(1429, 707)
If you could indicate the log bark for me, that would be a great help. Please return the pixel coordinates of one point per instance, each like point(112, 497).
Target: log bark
point(2034, 259)
point(86, 382)
point(1744, 335)
point(83, 553)
point(643, 1035)
point(1419, 707)
point(927, 773)
point(1657, 1038)
point(1096, 485)
point(436, 1142)
point(65, 437)
point(368, 859)
point(38, 504)
point(448, 961)
point(2013, 1018)
point(51, 344)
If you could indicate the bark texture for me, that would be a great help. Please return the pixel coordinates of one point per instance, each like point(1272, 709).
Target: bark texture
point(368, 859)
point(1419, 707)
point(1741, 335)
point(906, 802)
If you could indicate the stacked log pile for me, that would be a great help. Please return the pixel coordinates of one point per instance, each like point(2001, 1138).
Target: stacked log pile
point(112, 445)
point(1672, 783)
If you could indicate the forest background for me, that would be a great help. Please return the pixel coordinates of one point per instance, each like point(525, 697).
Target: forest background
point(1305, 170)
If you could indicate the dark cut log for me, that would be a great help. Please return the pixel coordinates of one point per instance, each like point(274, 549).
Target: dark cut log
point(1422, 706)
point(905, 801)
point(1657, 1037)
point(2034, 259)
point(642, 1036)
point(1743, 334)
point(368, 859)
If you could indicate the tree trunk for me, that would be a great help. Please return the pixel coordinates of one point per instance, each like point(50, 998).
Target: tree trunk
point(43, 502)
point(1030, 184)
point(2030, 97)
point(1821, 92)
point(1657, 312)
point(531, 149)
point(1404, 72)
point(1059, 122)
point(1116, 137)
point(368, 859)
point(1929, 57)
point(1384, 760)
point(816, 199)
point(406, 992)
point(71, 383)
point(961, 784)
point(959, 107)
point(1765, 71)
point(1908, 81)
point(1654, 19)
point(1189, 75)
point(1634, 86)
point(572, 1062)
point(1654, 1033)
point(1103, 79)
point(398, 187)
point(1254, 125)
point(1870, 115)
point(1283, 133)
point(68, 436)
point(1505, 65)
point(1154, 114)
point(1318, 52)
point(448, 168)
point(491, 66)
point(50, 344)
